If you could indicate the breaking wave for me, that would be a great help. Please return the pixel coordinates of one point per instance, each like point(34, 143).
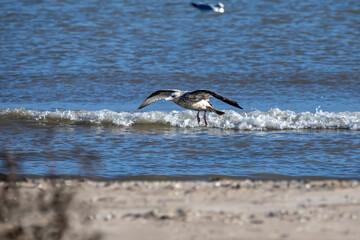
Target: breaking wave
point(274, 119)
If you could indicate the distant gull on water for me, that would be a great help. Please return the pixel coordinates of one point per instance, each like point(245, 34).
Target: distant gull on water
point(219, 7)
point(197, 100)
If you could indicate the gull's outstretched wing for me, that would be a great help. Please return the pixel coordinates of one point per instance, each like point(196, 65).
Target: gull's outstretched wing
point(206, 94)
point(155, 96)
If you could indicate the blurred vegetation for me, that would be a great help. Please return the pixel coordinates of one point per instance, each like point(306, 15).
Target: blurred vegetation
point(49, 207)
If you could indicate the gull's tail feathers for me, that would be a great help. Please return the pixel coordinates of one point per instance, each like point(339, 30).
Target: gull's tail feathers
point(218, 112)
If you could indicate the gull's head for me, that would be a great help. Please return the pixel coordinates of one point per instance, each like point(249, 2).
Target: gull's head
point(173, 96)
point(220, 7)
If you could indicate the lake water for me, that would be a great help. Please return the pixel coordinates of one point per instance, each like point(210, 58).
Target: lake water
point(73, 73)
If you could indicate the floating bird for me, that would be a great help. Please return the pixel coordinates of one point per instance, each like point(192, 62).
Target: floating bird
point(197, 100)
point(219, 7)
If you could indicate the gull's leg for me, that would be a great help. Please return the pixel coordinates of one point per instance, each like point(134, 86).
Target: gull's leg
point(205, 118)
point(198, 118)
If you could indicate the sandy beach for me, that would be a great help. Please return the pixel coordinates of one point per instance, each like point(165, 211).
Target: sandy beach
point(226, 209)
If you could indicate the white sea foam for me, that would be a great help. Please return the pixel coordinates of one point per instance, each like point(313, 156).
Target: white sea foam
point(274, 119)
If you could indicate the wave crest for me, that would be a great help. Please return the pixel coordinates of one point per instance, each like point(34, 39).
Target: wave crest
point(274, 119)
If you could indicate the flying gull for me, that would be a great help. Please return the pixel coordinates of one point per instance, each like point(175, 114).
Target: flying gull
point(197, 100)
point(219, 7)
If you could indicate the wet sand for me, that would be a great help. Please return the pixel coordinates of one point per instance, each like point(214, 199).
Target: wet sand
point(227, 209)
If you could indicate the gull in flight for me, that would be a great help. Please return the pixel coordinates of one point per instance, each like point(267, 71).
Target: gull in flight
point(219, 7)
point(197, 100)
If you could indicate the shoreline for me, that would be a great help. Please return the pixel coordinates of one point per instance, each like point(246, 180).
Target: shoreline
point(182, 178)
point(57, 208)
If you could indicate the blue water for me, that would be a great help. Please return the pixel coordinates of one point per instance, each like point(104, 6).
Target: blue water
point(72, 74)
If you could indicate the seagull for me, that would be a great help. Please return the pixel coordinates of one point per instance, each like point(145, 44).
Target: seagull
point(197, 100)
point(219, 7)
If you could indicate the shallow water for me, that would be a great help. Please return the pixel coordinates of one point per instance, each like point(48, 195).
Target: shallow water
point(73, 74)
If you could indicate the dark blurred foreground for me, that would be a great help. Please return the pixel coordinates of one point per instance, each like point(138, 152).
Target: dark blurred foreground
point(50, 206)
